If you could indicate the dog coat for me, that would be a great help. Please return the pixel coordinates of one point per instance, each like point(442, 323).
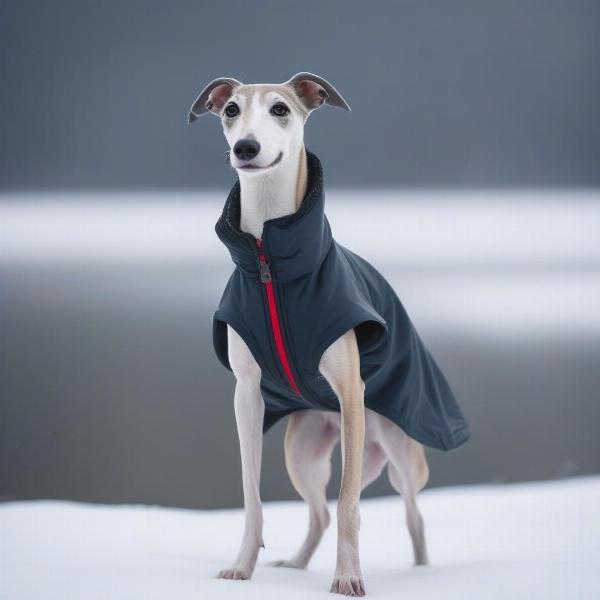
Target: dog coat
point(296, 291)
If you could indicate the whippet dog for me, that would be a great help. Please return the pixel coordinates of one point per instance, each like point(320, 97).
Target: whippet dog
point(264, 128)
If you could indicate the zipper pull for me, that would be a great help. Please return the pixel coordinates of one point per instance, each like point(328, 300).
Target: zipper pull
point(265, 269)
point(265, 272)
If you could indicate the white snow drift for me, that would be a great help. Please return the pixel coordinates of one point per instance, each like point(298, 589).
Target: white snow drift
point(523, 541)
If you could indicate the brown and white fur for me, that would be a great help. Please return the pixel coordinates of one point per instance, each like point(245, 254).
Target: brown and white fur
point(273, 184)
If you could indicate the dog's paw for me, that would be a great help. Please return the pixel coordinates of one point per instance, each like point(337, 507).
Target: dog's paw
point(290, 564)
point(348, 585)
point(233, 573)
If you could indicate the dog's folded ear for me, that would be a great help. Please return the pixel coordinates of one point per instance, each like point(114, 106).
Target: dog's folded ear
point(213, 97)
point(314, 91)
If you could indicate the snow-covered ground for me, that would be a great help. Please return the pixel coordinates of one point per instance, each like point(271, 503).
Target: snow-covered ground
point(529, 541)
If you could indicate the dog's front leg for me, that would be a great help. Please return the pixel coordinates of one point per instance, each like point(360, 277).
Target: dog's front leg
point(249, 414)
point(340, 365)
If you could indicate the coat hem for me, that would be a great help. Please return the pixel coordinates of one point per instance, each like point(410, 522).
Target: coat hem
point(446, 444)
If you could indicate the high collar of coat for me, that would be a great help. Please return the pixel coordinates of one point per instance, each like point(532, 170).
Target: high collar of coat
point(295, 245)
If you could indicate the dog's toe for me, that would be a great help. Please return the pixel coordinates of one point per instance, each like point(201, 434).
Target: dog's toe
point(233, 573)
point(348, 585)
point(290, 564)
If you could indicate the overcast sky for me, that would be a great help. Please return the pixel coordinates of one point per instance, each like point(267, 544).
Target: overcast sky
point(463, 93)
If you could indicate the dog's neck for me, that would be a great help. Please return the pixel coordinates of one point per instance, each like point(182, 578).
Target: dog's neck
point(274, 194)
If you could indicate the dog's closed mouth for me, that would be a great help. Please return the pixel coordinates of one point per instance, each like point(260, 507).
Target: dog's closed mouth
point(255, 168)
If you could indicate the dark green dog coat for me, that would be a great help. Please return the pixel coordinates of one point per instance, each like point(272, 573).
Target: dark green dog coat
point(294, 293)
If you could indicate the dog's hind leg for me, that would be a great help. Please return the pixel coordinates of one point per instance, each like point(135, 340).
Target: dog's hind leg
point(374, 458)
point(310, 438)
point(408, 473)
point(309, 441)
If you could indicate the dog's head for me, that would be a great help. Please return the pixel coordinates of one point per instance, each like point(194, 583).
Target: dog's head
point(264, 123)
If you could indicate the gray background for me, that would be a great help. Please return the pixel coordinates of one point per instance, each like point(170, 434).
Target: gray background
point(95, 94)
point(109, 388)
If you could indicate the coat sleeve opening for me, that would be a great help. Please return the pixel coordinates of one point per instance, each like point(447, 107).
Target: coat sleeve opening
point(368, 334)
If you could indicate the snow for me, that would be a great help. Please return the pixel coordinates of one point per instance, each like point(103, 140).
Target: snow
point(487, 262)
point(417, 227)
point(535, 540)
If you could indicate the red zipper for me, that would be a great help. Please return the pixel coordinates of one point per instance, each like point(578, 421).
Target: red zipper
point(265, 277)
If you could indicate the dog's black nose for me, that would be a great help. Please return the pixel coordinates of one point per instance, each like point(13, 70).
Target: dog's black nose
point(246, 149)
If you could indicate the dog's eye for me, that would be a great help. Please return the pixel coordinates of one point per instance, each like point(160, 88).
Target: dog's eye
point(279, 110)
point(232, 110)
